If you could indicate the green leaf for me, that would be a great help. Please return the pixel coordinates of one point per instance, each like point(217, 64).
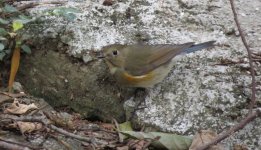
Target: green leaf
point(24, 19)
point(68, 13)
point(26, 49)
point(3, 32)
point(25, 36)
point(72, 10)
point(2, 21)
point(166, 141)
point(17, 24)
point(2, 38)
point(18, 43)
point(64, 10)
point(8, 51)
point(2, 55)
point(69, 16)
point(9, 9)
point(126, 126)
point(2, 47)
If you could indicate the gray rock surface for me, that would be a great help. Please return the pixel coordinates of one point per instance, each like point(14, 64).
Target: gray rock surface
point(200, 92)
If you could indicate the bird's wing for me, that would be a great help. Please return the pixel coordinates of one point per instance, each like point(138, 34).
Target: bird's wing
point(144, 58)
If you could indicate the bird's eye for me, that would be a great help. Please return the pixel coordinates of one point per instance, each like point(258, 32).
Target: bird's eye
point(115, 52)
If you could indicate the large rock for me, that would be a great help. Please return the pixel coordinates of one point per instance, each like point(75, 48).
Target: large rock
point(204, 90)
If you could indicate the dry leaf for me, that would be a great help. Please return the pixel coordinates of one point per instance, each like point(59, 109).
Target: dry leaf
point(204, 137)
point(11, 126)
point(136, 144)
point(62, 119)
point(107, 3)
point(108, 126)
point(14, 67)
point(240, 147)
point(161, 140)
point(123, 148)
point(28, 127)
point(9, 96)
point(18, 109)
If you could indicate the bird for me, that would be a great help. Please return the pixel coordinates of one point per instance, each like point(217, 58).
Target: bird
point(143, 66)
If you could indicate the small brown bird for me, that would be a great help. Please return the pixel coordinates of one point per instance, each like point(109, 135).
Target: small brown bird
point(145, 65)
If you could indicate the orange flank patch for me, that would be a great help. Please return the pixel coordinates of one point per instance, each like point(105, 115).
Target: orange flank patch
point(138, 79)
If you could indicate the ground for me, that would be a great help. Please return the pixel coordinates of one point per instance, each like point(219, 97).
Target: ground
point(207, 89)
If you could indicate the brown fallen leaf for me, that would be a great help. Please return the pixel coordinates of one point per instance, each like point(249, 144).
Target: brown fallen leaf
point(14, 67)
point(239, 147)
point(203, 137)
point(161, 140)
point(4, 96)
point(107, 3)
point(28, 127)
point(123, 148)
point(62, 119)
point(136, 144)
point(108, 126)
point(18, 109)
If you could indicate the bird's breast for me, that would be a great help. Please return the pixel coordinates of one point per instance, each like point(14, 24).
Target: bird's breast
point(138, 79)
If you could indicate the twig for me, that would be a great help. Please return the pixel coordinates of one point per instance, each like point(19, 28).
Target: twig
point(33, 4)
point(6, 1)
point(251, 115)
point(24, 118)
point(85, 139)
point(253, 96)
point(135, 142)
point(37, 110)
point(4, 96)
point(46, 122)
point(7, 144)
point(108, 131)
point(235, 128)
point(148, 143)
point(66, 145)
point(118, 129)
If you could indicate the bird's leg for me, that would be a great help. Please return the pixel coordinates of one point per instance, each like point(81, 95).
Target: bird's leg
point(139, 97)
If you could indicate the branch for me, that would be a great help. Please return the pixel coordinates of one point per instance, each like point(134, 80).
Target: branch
point(47, 123)
point(4, 96)
point(7, 144)
point(251, 115)
point(232, 130)
point(253, 96)
point(78, 137)
point(33, 4)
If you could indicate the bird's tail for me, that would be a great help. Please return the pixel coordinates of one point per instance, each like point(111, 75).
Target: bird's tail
point(200, 46)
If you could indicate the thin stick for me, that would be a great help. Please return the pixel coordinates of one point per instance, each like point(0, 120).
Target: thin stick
point(4, 96)
point(62, 142)
point(47, 123)
point(253, 96)
point(33, 4)
point(251, 115)
point(81, 138)
point(232, 130)
point(7, 144)
point(148, 144)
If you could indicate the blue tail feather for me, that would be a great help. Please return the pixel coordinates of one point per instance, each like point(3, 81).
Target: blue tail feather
point(200, 46)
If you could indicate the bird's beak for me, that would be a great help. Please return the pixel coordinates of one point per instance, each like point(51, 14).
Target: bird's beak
point(100, 55)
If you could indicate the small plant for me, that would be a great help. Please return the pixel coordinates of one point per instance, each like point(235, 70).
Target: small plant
point(13, 39)
point(67, 12)
point(11, 42)
point(11, 24)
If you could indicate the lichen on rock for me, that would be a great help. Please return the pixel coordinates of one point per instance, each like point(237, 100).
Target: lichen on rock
point(200, 92)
